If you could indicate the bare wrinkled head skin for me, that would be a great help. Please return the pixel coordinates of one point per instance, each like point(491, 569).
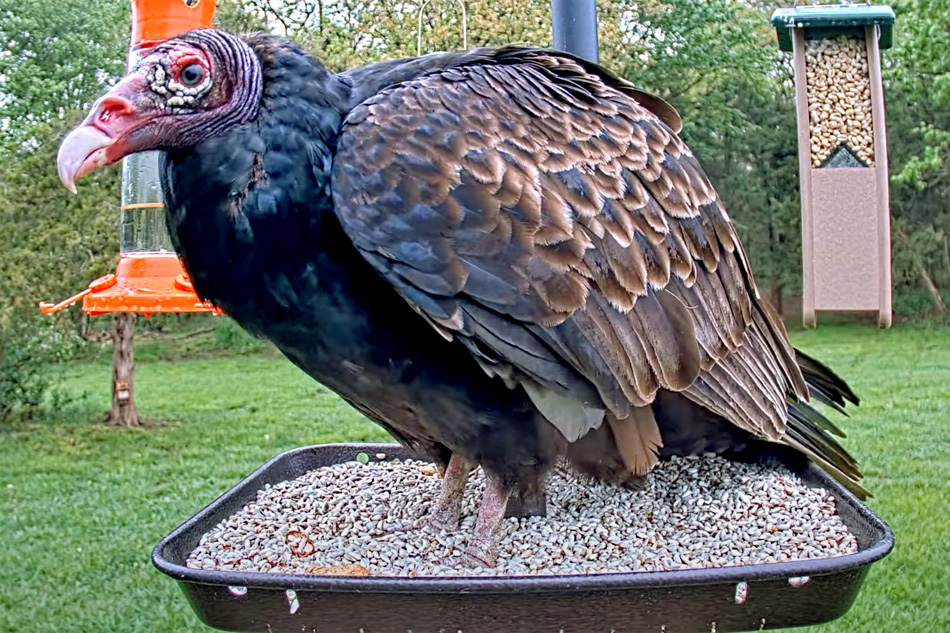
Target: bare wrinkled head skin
point(179, 93)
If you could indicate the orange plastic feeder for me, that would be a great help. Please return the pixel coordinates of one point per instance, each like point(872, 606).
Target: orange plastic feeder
point(156, 20)
point(149, 277)
point(144, 283)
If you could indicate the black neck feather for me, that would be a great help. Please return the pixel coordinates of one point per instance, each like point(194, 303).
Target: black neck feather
point(249, 206)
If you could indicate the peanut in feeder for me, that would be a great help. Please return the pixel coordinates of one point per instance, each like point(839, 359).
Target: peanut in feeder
point(839, 101)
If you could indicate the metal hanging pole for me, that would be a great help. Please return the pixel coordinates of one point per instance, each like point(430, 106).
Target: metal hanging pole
point(574, 24)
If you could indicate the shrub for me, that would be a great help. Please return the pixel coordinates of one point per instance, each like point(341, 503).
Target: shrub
point(28, 345)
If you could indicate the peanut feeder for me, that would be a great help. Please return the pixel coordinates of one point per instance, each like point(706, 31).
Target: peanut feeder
point(842, 150)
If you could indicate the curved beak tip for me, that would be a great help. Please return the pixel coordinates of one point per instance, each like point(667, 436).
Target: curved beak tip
point(68, 182)
point(82, 151)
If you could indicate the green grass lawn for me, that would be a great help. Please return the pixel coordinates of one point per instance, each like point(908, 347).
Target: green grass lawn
point(82, 504)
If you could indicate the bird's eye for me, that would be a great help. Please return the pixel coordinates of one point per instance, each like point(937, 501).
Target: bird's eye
point(192, 74)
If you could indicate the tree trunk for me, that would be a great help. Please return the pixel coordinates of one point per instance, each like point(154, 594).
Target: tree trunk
point(931, 287)
point(776, 297)
point(123, 365)
point(946, 254)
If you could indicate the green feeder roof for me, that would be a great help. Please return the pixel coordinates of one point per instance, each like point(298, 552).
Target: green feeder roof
point(829, 20)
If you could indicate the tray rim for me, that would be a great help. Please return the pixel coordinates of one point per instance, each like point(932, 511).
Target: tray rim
point(521, 584)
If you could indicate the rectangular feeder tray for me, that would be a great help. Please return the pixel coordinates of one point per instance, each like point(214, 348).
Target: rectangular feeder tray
point(739, 598)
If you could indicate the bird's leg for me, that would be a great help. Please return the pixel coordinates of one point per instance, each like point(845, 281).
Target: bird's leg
point(483, 548)
point(445, 515)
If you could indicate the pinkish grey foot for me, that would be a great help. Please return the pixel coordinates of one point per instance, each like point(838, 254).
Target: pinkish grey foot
point(482, 550)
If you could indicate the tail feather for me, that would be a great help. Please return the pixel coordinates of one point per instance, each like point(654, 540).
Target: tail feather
point(815, 417)
point(813, 436)
point(622, 451)
point(819, 395)
point(810, 431)
point(820, 378)
point(848, 481)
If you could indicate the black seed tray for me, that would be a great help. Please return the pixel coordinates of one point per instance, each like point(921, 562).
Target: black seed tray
point(687, 601)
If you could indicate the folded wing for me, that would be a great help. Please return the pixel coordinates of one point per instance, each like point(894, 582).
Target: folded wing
point(530, 206)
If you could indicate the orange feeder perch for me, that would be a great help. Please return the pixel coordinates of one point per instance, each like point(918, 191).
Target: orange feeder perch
point(149, 277)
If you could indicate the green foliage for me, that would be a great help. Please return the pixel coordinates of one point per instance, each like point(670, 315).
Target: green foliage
point(53, 243)
point(23, 381)
point(917, 308)
point(917, 77)
point(27, 351)
point(231, 16)
point(55, 57)
point(921, 71)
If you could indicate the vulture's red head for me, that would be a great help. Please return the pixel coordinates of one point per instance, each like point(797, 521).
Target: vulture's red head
point(182, 91)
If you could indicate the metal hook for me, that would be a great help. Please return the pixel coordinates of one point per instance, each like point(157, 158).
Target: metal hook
point(422, 9)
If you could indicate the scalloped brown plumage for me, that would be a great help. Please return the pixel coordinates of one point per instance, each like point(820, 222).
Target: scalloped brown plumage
point(532, 207)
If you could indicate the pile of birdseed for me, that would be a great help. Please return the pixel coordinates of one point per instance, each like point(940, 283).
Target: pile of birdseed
point(363, 519)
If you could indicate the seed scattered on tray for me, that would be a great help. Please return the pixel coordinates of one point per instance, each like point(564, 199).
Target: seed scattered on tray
point(363, 519)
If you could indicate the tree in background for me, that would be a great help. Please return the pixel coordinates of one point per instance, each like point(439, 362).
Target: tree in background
point(56, 57)
point(918, 83)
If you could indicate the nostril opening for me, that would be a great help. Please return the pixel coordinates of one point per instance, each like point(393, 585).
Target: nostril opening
point(114, 106)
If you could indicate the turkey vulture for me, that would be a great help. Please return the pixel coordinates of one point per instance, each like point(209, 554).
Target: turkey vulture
point(505, 257)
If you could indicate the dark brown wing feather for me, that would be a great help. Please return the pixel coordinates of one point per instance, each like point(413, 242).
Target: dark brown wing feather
point(529, 205)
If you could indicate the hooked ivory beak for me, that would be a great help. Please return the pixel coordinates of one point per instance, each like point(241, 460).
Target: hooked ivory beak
point(105, 134)
point(82, 151)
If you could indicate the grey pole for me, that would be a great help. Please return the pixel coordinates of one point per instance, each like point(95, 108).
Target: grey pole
point(574, 23)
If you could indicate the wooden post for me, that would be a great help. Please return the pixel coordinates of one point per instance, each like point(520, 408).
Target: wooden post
point(123, 365)
point(809, 318)
point(885, 309)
